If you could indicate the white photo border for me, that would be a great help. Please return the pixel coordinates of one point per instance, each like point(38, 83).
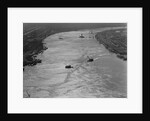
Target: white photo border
point(18, 16)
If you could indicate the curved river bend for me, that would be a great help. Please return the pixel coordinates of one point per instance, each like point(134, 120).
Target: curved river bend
point(105, 77)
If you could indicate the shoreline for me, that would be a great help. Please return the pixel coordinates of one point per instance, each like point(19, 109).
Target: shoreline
point(116, 44)
point(29, 58)
point(35, 46)
point(97, 79)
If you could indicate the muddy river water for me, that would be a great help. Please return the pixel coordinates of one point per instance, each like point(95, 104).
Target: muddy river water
point(105, 77)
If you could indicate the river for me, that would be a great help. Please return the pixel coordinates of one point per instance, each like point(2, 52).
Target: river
point(105, 77)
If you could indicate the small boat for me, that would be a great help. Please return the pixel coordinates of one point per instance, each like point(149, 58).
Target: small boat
point(81, 36)
point(90, 59)
point(60, 38)
point(68, 66)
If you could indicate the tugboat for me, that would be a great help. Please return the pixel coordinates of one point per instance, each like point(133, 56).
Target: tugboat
point(81, 36)
point(68, 66)
point(90, 59)
point(60, 38)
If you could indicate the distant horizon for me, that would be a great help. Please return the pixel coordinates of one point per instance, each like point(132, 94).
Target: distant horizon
point(72, 26)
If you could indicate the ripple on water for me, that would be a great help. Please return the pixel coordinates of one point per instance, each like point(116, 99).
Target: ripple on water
point(114, 73)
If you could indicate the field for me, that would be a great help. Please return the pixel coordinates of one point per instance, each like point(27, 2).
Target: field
point(115, 41)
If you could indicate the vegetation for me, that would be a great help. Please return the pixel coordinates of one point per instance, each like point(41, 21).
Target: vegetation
point(33, 45)
point(115, 41)
point(35, 33)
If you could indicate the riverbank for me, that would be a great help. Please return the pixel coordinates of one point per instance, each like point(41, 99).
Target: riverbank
point(104, 77)
point(35, 33)
point(115, 41)
point(33, 44)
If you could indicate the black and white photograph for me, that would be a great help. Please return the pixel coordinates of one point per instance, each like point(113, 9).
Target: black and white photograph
point(75, 60)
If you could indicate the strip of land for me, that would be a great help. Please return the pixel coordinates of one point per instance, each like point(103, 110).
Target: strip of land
point(103, 77)
point(115, 41)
